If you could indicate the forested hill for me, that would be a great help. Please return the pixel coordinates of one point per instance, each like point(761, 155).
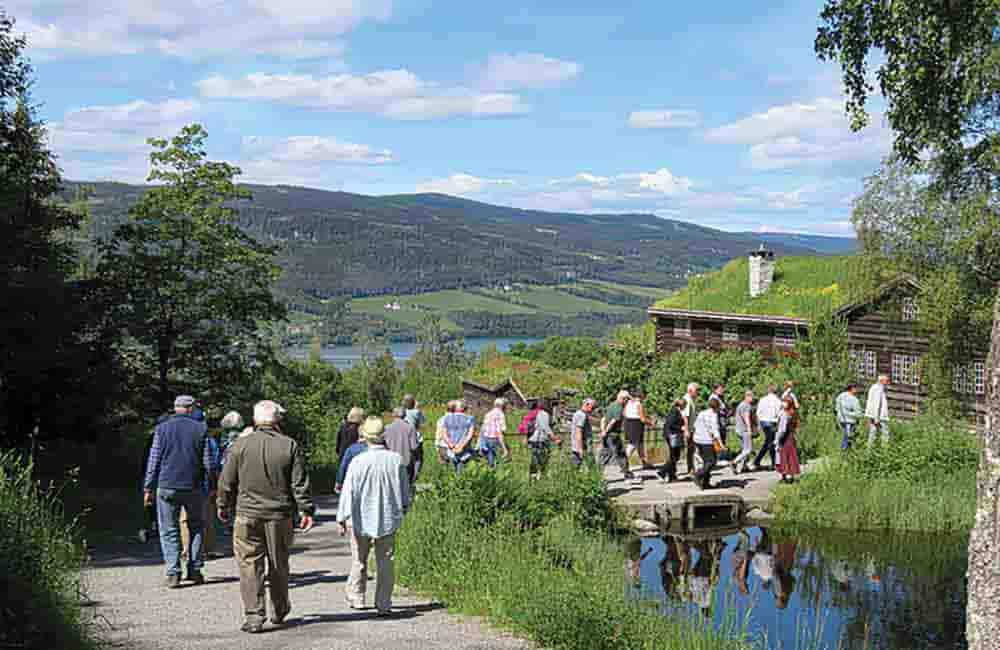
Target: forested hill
point(337, 243)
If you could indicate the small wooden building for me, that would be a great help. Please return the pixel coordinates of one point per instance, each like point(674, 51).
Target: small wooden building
point(882, 335)
point(480, 397)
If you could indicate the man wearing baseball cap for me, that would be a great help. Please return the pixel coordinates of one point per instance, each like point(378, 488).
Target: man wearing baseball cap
point(266, 482)
point(179, 460)
point(375, 497)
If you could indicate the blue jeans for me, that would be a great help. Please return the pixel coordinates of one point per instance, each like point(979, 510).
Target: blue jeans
point(168, 508)
point(490, 447)
point(848, 429)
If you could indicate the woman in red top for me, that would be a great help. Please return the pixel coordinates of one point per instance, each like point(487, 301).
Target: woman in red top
point(788, 455)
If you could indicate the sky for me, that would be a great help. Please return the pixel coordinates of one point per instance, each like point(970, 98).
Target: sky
point(713, 113)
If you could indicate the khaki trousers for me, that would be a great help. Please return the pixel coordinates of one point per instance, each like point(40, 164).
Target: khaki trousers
point(357, 582)
point(254, 542)
point(208, 531)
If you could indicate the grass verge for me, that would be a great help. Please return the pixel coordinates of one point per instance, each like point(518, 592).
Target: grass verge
point(535, 557)
point(40, 562)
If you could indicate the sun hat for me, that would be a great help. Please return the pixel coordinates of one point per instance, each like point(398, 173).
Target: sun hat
point(356, 415)
point(372, 430)
point(183, 402)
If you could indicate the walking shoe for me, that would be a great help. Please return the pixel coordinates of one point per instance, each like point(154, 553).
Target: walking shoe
point(252, 627)
point(143, 535)
point(278, 619)
point(386, 613)
point(173, 582)
point(354, 603)
point(196, 577)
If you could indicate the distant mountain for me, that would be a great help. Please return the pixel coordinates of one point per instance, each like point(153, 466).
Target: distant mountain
point(824, 244)
point(337, 243)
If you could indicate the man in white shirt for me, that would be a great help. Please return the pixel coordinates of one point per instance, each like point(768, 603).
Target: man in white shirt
point(689, 412)
point(768, 412)
point(706, 437)
point(877, 411)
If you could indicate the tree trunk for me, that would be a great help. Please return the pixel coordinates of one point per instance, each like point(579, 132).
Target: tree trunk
point(163, 363)
point(983, 611)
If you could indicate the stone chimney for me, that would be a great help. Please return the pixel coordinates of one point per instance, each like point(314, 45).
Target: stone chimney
point(761, 271)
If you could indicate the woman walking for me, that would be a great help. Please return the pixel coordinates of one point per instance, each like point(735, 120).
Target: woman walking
point(635, 421)
point(673, 434)
point(708, 441)
point(348, 434)
point(788, 455)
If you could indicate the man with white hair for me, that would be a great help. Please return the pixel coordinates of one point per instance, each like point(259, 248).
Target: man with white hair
point(265, 482)
point(582, 433)
point(179, 460)
point(491, 442)
point(877, 411)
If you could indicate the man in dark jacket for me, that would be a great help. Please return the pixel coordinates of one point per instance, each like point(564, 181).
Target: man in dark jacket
point(179, 460)
point(265, 482)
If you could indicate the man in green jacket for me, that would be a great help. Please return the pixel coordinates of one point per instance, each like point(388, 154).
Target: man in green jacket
point(849, 411)
point(266, 482)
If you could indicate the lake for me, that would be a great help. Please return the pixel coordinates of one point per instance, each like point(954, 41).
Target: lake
point(814, 589)
point(345, 356)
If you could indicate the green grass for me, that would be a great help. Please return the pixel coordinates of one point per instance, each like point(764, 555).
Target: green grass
point(536, 557)
point(803, 286)
point(552, 300)
point(635, 290)
point(925, 480)
point(40, 563)
point(535, 379)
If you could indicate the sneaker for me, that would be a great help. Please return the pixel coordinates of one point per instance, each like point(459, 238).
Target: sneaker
point(173, 582)
point(278, 620)
point(386, 613)
point(143, 535)
point(196, 578)
point(252, 627)
point(354, 603)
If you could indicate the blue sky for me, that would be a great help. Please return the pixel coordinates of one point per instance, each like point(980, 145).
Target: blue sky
point(715, 113)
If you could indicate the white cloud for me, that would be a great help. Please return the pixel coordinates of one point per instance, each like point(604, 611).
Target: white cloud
point(192, 29)
point(663, 181)
point(314, 149)
point(461, 184)
point(120, 128)
point(582, 177)
point(664, 119)
point(397, 94)
point(526, 70)
point(814, 133)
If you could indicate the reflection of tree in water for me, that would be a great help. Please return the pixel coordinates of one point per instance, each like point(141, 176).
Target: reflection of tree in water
point(890, 592)
point(895, 592)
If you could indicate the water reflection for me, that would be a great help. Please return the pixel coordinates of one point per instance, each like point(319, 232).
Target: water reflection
point(814, 589)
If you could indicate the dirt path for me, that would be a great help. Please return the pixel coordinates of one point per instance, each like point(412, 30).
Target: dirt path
point(126, 585)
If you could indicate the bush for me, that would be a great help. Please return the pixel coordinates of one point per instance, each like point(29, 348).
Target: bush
point(535, 557)
point(40, 562)
point(563, 352)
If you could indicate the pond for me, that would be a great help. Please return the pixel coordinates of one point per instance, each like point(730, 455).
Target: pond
point(812, 589)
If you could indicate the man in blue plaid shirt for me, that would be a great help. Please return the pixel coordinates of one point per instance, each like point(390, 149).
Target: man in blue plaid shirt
point(179, 461)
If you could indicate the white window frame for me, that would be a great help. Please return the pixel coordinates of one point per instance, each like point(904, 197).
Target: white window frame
point(970, 379)
point(906, 369)
point(731, 332)
point(784, 336)
point(682, 327)
point(979, 377)
point(911, 309)
point(961, 380)
point(865, 363)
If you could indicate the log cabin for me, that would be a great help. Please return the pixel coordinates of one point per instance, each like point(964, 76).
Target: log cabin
point(763, 303)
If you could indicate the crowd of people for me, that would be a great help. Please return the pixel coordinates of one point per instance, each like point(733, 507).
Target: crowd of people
point(254, 481)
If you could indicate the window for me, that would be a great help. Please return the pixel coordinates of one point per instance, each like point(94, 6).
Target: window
point(865, 363)
point(784, 337)
point(971, 379)
point(911, 310)
point(906, 369)
point(730, 332)
point(682, 328)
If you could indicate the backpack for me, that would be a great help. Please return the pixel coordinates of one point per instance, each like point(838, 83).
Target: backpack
point(527, 426)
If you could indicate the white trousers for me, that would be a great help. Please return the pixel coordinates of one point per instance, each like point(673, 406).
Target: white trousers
point(357, 582)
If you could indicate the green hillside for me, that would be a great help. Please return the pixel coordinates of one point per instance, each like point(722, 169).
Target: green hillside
point(802, 286)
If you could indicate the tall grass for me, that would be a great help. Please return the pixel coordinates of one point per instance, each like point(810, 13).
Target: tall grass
point(924, 480)
point(535, 557)
point(40, 561)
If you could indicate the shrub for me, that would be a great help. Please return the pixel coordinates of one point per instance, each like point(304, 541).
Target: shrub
point(563, 352)
point(40, 561)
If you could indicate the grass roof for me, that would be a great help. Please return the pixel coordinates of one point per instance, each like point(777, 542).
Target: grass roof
point(535, 379)
point(803, 287)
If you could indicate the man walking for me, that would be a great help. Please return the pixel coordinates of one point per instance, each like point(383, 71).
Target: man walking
point(768, 412)
point(689, 412)
point(265, 482)
point(401, 437)
point(581, 432)
point(178, 461)
point(613, 448)
point(877, 411)
point(744, 427)
point(375, 498)
point(848, 413)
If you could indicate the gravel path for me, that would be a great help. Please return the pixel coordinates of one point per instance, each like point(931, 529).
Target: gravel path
point(126, 585)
